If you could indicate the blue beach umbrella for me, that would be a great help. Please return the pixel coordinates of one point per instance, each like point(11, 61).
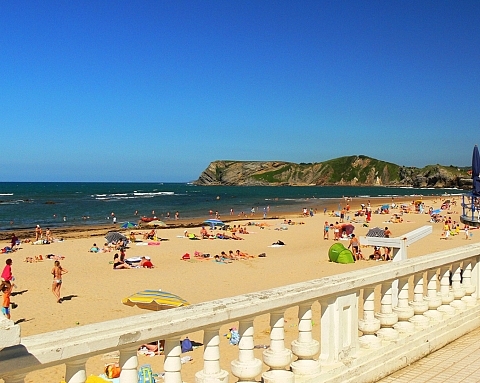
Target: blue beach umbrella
point(437, 211)
point(476, 171)
point(128, 225)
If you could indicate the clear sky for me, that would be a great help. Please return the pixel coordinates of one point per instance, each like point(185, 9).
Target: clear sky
point(156, 90)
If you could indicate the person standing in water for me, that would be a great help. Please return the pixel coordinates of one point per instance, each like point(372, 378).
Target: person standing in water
point(57, 273)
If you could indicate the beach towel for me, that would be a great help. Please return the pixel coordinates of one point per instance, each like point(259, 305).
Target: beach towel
point(141, 244)
point(145, 374)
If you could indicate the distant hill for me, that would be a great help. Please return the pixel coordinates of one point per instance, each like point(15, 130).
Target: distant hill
point(351, 170)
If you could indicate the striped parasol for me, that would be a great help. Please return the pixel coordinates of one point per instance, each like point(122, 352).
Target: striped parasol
point(376, 232)
point(155, 300)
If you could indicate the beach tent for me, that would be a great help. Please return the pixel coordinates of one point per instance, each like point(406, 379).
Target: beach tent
point(339, 254)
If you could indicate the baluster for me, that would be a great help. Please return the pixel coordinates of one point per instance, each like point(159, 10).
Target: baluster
point(246, 367)
point(211, 373)
point(17, 378)
point(457, 288)
point(403, 310)
point(476, 276)
point(433, 298)
point(172, 364)
point(386, 316)
point(446, 294)
point(369, 325)
point(467, 284)
point(305, 347)
point(75, 371)
point(277, 357)
point(419, 304)
point(128, 363)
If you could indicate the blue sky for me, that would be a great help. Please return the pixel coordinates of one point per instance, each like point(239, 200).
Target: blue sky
point(156, 90)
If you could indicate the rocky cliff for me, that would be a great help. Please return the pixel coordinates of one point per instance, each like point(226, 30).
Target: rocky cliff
point(351, 170)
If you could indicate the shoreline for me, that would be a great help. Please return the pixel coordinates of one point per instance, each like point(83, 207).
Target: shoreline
point(97, 230)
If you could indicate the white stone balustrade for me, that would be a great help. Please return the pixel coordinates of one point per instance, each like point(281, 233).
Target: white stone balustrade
point(340, 357)
point(387, 317)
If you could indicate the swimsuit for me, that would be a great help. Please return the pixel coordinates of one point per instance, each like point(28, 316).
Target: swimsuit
point(57, 281)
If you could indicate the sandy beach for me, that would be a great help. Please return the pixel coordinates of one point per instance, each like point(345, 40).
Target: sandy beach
point(93, 290)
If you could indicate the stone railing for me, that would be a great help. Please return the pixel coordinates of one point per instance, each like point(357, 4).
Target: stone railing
point(437, 303)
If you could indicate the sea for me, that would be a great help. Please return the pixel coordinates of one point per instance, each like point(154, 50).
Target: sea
point(58, 204)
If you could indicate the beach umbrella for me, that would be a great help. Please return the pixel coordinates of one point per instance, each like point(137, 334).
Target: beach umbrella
point(128, 225)
point(157, 223)
point(436, 211)
point(385, 207)
point(376, 232)
point(114, 236)
point(155, 300)
point(476, 171)
point(348, 228)
point(214, 222)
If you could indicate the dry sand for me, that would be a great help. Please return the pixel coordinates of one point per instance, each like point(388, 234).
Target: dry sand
point(93, 290)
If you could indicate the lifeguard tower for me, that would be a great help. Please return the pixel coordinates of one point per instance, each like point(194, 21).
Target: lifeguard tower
point(471, 201)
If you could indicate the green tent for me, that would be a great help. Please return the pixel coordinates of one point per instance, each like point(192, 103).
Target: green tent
point(339, 254)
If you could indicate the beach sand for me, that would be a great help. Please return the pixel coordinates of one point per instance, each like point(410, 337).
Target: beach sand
point(93, 290)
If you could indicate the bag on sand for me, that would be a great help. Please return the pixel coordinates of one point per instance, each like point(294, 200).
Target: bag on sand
point(145, 374)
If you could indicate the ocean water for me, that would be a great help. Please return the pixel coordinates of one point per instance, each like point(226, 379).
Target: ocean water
point(50, 204)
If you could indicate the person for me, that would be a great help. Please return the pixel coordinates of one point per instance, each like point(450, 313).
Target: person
point(355, 244)
point(387, 232)
point(204, 233)
point(6, 289)
point(94, 248)
point(48, 235)
point(7, 271)
point(57, 273)
point(118, 264)
point(177, 215)
point(377, 255)
point(149, 235)
point(38, 233)
point(114, 220)
point(326, 228)
point(13, 241)
point(466, 229)
point(146, 263)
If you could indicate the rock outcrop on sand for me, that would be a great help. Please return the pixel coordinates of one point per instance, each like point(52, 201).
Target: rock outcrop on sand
point(352, 170)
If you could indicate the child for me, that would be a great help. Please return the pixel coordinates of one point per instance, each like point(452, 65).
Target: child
point(6, 288)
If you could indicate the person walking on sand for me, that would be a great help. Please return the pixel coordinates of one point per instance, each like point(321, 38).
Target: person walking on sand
point(6, 289)
point(57, 273)
point(7, 272)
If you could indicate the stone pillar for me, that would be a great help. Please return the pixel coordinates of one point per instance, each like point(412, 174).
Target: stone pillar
point(403, 309)
point(277, 357)
point(172, 364)
point(457, 288)
point(128, 363)
point(246, 367)
point(75, 371)
point(211, 373)
point(446, 294)
point(386, 316)
point(305, 347)
point(9, 333)
point(18, 378)
point(467, 284)
point(418, 304)
point(433, 298)
point(369, 325)
point(476, 276)
point(339, 327)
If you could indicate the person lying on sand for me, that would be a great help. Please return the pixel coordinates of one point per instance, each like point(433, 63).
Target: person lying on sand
point(241, 254)
point(146, 263)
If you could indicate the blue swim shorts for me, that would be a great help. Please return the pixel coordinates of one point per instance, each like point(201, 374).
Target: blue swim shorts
point(5, 310)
